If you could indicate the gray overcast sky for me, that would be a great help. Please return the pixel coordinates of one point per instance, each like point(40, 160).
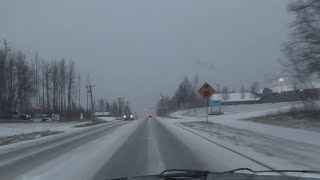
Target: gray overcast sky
point(137, 49)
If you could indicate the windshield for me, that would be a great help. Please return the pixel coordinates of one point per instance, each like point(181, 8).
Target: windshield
point(109, 89)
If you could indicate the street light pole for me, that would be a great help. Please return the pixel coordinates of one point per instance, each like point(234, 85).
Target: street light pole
point(218, 92)
point(281, 82)
point(90, 86)
point(219, 97)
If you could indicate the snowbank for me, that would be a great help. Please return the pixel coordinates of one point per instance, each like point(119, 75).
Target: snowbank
point(9, 129)
point(275, 152)
point(108, 119)
point(277, 147)
point(234, 118)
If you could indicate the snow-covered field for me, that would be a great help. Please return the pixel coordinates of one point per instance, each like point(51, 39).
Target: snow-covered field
point(259, 109)
point(275, 146)
point(10, 129)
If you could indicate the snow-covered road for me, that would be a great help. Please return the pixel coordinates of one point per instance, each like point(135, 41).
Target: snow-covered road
point(149, 146)
point(145, 146)
point(156, 146)
point(18, 160)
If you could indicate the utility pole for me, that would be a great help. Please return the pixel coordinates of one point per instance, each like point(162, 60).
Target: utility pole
point(79, 91)
point(128, 106)
point(119, 99)
point(43, 91)
point(87, 97)
point(90, 86)
point(218, 97)
point(88, 82)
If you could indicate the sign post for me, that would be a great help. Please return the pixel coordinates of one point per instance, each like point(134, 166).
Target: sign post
point(206, 91)
point(206, 105)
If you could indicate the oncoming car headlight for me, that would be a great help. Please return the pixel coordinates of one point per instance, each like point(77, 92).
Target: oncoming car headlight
point(131, 116)
point(124, 116)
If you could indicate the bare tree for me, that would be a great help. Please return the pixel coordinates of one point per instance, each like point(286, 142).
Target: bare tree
point(16, 79)
point(107, 105)
point(303, 51)
point(71, 82)
point(55, 84)
point(101, 106)
point(35, 66)
point(21, 80)
point(4, 55)
point(243, 93)
point(79, 90)
point(47, 84)
point(254, 89)
point(62, 84)
point(225, 93)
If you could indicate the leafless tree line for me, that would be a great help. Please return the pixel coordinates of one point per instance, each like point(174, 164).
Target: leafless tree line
point(24, 82)
point(303, 49)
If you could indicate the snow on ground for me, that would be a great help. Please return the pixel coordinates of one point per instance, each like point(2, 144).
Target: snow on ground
point(214, 157)
point(106, 118)
point(85, 161)
point(235, 97)
point(237, 109)
point(276, 152)
point(279, 147)
point(303, 121)
point(234, 118)
point(9, 129)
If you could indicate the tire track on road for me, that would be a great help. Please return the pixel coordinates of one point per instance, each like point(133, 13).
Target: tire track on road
point(23, 160)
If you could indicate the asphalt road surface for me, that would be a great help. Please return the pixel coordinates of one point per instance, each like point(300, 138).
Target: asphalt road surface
point(150, 149)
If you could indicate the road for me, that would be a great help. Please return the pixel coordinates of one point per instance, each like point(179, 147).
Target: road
point(117, 149)
point(149, 150)
point(19, 160)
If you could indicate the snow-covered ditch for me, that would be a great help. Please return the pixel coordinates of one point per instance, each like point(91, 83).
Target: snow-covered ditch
point(17, 132)
point(10, 129)
point(276, 152)
point(276, 146)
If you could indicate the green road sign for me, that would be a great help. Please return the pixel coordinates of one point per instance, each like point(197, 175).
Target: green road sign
point(215, 103)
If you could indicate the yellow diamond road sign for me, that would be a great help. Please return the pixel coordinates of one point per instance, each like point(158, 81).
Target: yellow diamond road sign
point(206, 91)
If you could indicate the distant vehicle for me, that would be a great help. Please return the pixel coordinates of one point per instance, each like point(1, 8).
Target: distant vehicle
point(128, 116)
point(149, 115)
point(17, 115)
point(45, 118)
